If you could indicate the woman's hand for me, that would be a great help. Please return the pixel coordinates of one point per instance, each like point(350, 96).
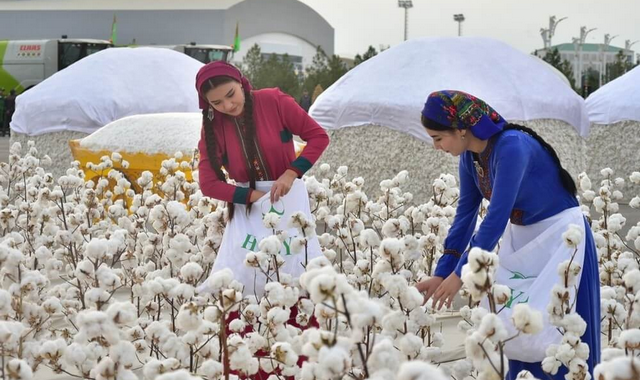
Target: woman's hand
point(255, 195)
point(282, 186)
point(428, 287)
point(447, 291)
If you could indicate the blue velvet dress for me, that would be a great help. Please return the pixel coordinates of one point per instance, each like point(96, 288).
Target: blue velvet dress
point(522, 182)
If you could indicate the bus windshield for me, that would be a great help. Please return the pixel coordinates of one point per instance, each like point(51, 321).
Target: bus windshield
point(206, 55)
point(71, 52)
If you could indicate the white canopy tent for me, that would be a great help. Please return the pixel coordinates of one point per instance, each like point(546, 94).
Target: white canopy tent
point(614, 141)
point(389, 91)
point(99, 89)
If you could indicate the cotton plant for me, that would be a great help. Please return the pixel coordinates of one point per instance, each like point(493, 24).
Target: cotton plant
point(103, 279)
point(571, 352)
point(486, 333)
point(617, 254)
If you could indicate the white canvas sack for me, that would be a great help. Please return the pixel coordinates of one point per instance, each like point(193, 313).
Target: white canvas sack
point(529, 258)
point(244, 233)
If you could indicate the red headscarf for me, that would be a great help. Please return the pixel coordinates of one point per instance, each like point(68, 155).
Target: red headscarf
point(214, 69)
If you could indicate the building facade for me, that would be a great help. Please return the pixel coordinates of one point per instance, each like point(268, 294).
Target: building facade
point(588, 56)
point(277, 26)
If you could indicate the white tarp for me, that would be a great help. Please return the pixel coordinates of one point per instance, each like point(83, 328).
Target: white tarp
point(617, 100)
point(107, 86)
point(390, 89)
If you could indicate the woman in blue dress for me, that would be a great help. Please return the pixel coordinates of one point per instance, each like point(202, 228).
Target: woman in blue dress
point(521, 175)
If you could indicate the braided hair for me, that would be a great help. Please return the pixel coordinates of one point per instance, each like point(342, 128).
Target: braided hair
point(565, 177)
point(210, 139)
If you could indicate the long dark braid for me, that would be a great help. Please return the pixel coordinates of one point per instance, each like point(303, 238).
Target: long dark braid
point(211, 142)
point(565, 177)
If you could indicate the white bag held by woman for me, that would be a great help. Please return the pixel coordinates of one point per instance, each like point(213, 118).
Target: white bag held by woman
point(244, 233)
point(529, 259)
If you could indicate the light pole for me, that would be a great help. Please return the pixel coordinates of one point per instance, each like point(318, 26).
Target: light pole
point(605, 48)
point(406, 4)
point(577, 43)
point(459, 18)
point(545, 37)
point(552, 27)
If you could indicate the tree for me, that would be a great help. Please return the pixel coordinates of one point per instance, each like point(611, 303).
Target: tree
point(276, 71)
point(590, 81)
point(252, 63)
point(317, 72)
point(553, 58)
point(370, 53)
point(619, 67)
point(279, 71)
point(335, 70)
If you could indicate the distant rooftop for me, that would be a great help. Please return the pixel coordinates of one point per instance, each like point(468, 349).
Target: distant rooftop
point(587, 48)
point(47, 5)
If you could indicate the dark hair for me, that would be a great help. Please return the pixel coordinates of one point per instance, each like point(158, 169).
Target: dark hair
point(565, 177)
point(211, 142)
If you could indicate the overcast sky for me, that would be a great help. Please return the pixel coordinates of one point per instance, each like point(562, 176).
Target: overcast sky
point(360, 23)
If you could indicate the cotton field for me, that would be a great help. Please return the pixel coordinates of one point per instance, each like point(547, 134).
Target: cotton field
point(100, 282)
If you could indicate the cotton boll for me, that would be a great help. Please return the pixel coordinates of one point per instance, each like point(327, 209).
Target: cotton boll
point(419, 370)
point(585, 183)
point(573, 323)
point(551, 365)
point(624, 367)
point(571, 269)
point(122, 313)
point(573, 236)
point(492, 328)
point(271, 220)
point(18, 369)
point(501, 293)
point(182, 374)
point(188, 317)
point(96, 249)
point(410, 345)
point(527, 320)
point(220, 280)
point(384, 356)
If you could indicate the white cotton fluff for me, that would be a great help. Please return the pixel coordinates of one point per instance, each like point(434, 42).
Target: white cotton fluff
point(527, 320)
point(189, 317)
point(419, 370)
point(18, 369)
point(96, 249)
point(625, 367)
point(492, 328)
point(270, 245)
point(501, 293)
point(271, 220)
point(122, 313)
point(573, 236)
point(220, 280)
point(630, 339)
point(384, 356)
point(182, 374)
point(212, 369)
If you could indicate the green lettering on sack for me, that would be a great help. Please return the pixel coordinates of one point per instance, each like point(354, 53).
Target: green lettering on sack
point(512, 298)
point(273, 209)
point(250, 242)
point(287, 247)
